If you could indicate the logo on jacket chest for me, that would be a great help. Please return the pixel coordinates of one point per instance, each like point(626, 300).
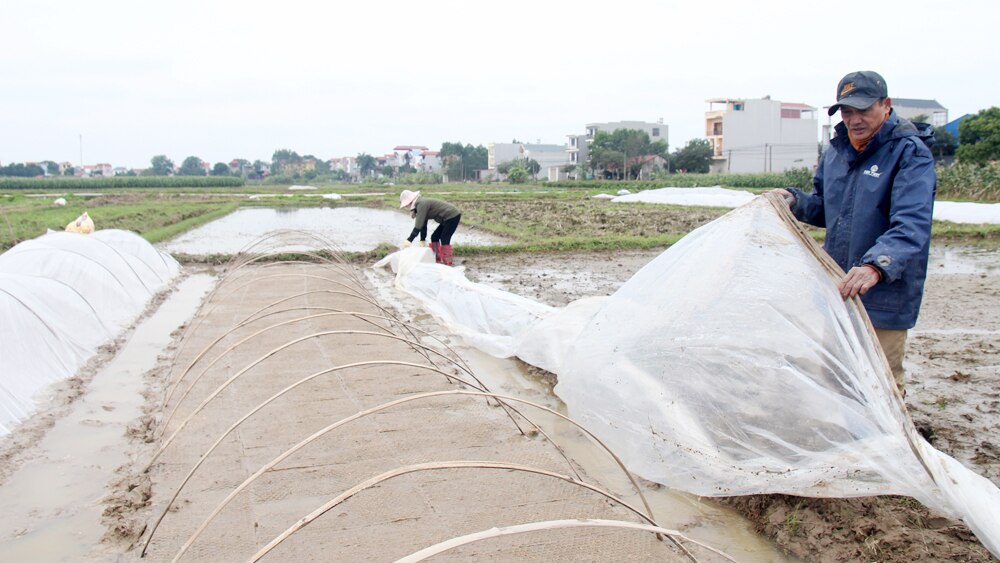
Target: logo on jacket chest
point(873, 171)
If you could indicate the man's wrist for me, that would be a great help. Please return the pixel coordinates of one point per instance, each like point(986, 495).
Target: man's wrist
point(877, 270)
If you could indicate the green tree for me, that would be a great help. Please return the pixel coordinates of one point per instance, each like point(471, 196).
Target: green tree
point(366, 164)
point(243, 167)
point(613, 152)
point(533, 167)
point(22, 170)
point(944, 143)
point(160, 165)
point(220, 169)
point(462, 161)
point(282, 157)
point(979, 137)
point(52, 168)
point(695, 157)
point(192, 166)
point(69, 171)
point(259, 169)
point(518, 173)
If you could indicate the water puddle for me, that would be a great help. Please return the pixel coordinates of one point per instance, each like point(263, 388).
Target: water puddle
point(963, 260)
point(353, 229)
point(52, 503)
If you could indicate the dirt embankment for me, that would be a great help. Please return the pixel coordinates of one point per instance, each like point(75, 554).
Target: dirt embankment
point(953, 395)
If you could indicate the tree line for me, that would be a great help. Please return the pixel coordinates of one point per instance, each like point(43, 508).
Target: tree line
point(620, 154)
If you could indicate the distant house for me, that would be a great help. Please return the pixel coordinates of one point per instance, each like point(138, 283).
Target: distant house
point(103, 169)
point(409, 155)
point(430, 161)
point(761, 135)
point(388, 159)
point(547, 156)
point(952, 126)
point(239, 167)
point(579, 145)
point(346, 164)
point(935, 113)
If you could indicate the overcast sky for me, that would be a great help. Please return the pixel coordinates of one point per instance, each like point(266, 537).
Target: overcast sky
point(223, 80)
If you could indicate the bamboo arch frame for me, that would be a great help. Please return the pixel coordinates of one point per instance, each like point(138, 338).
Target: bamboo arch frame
point(361, 414)
point(306, 520)
point(459, 541)
point(425, 351)
point(253, 364)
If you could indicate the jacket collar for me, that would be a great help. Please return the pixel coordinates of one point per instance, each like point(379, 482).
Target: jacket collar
point(842, 144)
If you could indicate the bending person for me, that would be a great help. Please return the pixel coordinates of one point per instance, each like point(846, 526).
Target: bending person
point(445, 214)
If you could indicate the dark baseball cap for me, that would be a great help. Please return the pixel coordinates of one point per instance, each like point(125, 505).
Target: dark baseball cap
point(860, 90)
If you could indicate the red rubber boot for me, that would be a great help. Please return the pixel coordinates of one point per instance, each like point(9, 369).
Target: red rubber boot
point(436, 248)
point(446, 255)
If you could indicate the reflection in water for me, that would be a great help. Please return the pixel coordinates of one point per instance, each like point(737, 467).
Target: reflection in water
point(352, 229)
point(963, 260)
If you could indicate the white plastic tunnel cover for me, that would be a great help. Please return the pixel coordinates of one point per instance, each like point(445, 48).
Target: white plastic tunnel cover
point(729, 365)
point(62, 295)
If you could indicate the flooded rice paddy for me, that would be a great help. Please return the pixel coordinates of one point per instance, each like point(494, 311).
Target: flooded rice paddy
point(353, 229)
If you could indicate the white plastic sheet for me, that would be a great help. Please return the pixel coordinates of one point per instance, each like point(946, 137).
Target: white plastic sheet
point(954, 211)
point(62, 295)
point(729, 365)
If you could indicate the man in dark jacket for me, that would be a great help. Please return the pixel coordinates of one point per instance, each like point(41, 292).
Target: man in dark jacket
point(874, 194)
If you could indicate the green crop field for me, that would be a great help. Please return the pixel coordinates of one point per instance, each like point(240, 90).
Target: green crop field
point(557, 216)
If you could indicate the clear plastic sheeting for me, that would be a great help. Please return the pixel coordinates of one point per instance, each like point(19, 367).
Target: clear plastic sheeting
point(729, 365)
point(62, 295)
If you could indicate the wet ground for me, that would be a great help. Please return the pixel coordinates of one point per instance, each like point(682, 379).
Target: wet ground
point(53, 496)
point(953, 393)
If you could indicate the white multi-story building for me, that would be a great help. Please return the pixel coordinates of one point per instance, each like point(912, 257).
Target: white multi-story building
point(579, 145)
point(761, 135)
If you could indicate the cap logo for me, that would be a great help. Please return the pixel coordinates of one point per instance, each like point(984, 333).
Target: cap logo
point(848, 88)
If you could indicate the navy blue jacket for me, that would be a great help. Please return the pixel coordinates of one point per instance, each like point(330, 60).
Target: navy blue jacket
point(876, 207)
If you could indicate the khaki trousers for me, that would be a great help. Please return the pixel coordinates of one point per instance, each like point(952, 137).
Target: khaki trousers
point(894, 345)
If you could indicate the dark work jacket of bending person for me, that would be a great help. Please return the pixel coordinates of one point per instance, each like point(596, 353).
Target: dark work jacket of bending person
point(430, 208)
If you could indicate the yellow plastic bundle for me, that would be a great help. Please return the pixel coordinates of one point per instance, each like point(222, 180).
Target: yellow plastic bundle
point(82, 224)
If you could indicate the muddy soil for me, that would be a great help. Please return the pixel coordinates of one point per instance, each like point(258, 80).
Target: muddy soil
point(953, 395)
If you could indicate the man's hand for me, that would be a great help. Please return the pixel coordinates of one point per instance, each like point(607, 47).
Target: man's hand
point(423, 244)
point(404, 244)
point(859, 280)
point(787, 195)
